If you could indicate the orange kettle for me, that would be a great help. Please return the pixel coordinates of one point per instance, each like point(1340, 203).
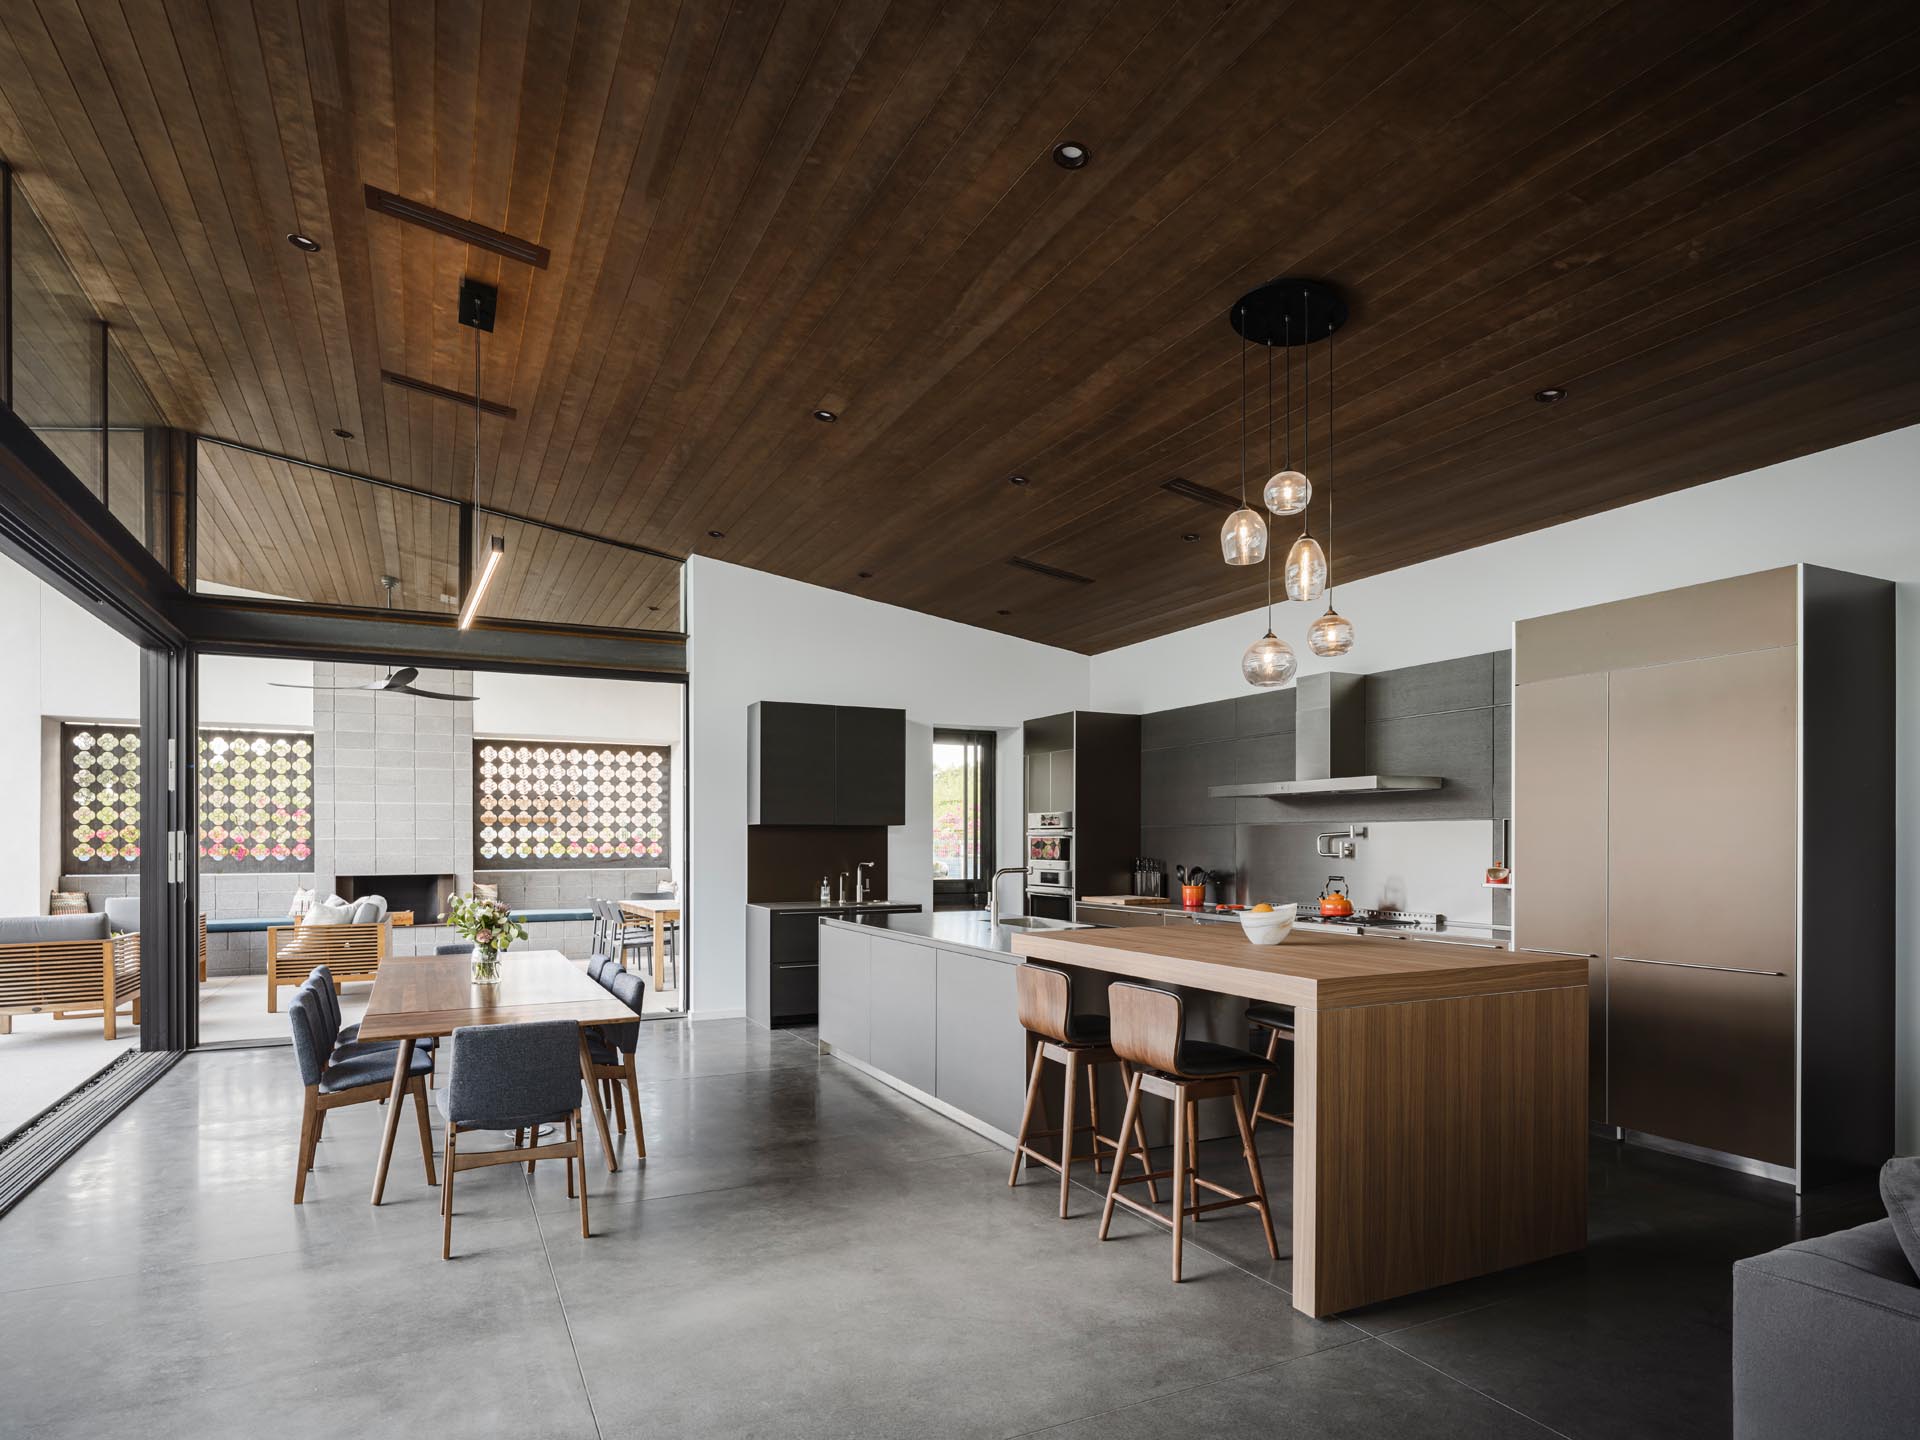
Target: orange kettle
point(1335, 904)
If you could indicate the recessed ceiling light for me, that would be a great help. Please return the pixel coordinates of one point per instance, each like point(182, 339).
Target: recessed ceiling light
point(1190, 537)
point(1018, 480)
point(1070, 155)
point(1551, 394)
point(825, 417)
point(716, 534)
point(342, 434)
point(1003, 612)
point(303, 242)
point(866, 574)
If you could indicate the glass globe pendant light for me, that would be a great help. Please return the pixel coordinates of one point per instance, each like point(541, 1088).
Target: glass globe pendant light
point(1269, 661)
point(1332, 634)
point(1287, 491)
point(1306, 574)
point(1243, 538)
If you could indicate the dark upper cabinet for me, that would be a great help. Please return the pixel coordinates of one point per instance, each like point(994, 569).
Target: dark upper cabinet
point(869, 766)
point(826, 764)
point(790, 763)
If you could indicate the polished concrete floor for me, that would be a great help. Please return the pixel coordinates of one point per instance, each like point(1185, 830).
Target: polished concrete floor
point(804, 1253)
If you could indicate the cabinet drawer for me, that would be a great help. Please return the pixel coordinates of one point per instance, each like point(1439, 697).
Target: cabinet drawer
point(795, 992)
point(1703, 1056)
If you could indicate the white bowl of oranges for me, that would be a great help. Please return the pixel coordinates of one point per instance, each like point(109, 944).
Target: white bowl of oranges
point(1267, 924)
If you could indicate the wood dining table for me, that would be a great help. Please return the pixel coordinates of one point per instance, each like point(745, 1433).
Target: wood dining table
point(419, 995)
point(662, 912)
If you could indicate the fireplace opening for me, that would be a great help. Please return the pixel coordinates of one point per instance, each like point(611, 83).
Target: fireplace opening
point(427, 896)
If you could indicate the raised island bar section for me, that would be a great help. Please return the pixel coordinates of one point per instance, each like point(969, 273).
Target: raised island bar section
point(1439, 1091)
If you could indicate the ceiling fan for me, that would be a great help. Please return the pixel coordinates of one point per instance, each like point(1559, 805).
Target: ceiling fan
point(398, 682)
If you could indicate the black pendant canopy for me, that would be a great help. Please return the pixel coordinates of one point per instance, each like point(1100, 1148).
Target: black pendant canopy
point(1289, 311)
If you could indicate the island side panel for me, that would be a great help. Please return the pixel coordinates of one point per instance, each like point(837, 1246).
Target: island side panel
point(1436, 1140)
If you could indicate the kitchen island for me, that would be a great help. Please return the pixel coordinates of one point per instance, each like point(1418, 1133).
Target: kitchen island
point(1439, 1091)
point(1440, 1095)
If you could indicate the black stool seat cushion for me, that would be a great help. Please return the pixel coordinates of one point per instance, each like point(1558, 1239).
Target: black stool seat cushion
point(1089, 1029)
point(356, 1067)
point(1262, 1012)
point(1203, 1057)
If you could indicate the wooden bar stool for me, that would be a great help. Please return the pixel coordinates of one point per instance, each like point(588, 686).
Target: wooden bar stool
point(1277, 1020)
point(1076, 1041)
point(1149, 1033)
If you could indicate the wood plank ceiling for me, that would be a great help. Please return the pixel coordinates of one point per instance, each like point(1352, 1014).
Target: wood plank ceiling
point(1699, 218)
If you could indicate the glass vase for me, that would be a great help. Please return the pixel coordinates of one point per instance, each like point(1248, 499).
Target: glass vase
point(486, 965)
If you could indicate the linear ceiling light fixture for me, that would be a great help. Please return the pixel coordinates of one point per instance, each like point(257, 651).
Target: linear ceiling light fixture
point(478, 302)
point(459, 227)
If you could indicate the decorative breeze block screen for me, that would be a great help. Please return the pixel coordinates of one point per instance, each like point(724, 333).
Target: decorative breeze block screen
point(256, 800)
point(100, 798)
point(540, 804)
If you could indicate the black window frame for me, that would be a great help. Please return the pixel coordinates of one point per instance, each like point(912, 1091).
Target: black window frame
point(970, 892)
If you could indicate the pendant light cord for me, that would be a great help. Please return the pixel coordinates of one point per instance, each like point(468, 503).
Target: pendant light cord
point(1306, 400)
point(476, 429)
point(1329, 472)
point(1269, 471)
point(1243, 407)
point(1286, 328)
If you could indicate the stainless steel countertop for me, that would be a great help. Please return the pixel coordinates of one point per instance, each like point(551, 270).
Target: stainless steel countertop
point(962, 929)
point(865, 907)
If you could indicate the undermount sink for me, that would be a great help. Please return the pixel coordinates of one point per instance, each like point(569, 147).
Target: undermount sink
point(1036, 922)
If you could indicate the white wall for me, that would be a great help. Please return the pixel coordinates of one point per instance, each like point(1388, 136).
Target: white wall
point(1853, 508)
point(760, 637)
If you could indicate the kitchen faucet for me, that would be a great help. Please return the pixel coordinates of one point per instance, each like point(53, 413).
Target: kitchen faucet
point(860, 881)
point(993, 890)
point(840, 889)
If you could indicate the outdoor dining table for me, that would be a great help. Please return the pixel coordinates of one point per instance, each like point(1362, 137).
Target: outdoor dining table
point(662, 912)
point(420, 995)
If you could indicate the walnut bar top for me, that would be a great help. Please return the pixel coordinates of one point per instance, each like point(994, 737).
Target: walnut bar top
point(1313, 969)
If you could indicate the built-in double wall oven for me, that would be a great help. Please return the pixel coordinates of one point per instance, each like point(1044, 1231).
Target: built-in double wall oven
point(1050, 852)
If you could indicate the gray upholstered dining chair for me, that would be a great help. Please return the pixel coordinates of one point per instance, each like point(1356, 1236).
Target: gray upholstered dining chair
point(461, 947)
point(610, 1050)
point(618, 934)
point(322, 979)
point(513, 1077)
point(336, 1074)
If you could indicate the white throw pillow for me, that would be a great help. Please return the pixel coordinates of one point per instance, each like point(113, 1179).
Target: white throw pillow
point(325, 912)
point(370, 910)
point(302, 902)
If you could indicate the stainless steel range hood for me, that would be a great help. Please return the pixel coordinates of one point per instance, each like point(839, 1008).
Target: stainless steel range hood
point(1330, 746)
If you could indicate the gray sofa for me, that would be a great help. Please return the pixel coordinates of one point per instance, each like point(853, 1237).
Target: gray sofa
point(1826, 1339)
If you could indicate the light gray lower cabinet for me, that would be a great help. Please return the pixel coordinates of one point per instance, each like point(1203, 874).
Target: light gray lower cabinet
point(901, 1037)
point(979, 1049)
point(845, 1002)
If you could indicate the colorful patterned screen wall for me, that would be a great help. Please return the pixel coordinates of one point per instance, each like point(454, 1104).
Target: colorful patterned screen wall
point(539, 804)
point(256, 800)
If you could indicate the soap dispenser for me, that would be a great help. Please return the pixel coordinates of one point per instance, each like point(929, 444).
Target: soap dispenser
point(826, 892)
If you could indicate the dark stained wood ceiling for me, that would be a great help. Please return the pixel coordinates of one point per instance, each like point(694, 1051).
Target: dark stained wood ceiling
point(1700, 218)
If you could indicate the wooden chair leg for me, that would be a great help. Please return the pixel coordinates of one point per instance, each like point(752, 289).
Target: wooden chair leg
point(1140, 1138)
point(319, 1130)
point(568, 1162)
point(1260, 1090)
point(1026, 1116)
point(110, 1024)
point(1066, 1133)
point(1193, 1154)
point(446, 1192)
point(419, 1091)
point(136, 1009)
point(1253, 1170)
point(6, 1024)
point(1182, 1183)
point(1093, 1112)
point(580, 1143)
point(633, 1104)
point(619, 1107)
point(309, 1133)
point(1129, 1129)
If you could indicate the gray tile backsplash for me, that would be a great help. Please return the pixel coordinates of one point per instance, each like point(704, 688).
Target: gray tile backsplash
point(1449, 719)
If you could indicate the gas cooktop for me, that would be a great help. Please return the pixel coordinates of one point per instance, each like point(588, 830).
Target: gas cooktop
point(1420, 921)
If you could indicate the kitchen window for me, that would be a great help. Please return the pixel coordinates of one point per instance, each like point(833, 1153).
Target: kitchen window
point(962, 817)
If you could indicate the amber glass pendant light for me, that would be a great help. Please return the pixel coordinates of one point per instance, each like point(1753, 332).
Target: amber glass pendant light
point(1243, 538)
